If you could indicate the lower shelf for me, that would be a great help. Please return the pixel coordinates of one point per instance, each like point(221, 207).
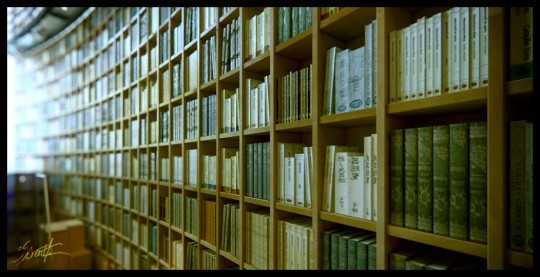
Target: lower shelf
point(519, 259)
point(463, 246)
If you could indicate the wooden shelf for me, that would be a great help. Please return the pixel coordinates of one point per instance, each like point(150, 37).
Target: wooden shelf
point(233, 76)
point(211, 31)
point(470, 100)
point(257, 131)
point(228, 17)
point(294, 209)
point(338, 24)
point(349, 119)
point(249, 267)
point(349, 221)
point(303, 125)
point(190, 236)
point(463, 246)
point(209, 138)
point(229, 195)
point(230, 135)
point(260, 64)
point(522, 87)
point(256, 201)
point(298, 47)
point(176, 229)
point(229, 256)
point(208, 191)
point(520, 259)
point(208, 245)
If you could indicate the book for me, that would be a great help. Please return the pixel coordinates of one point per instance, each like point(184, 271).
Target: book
point(356, 79)
point(478, 182)
point(521, 42)
point(484, 46)
point(411, 174)
point(464, 48)
point(425, 178)
point(459, 181)
point(517, 185)
point(356, 185)
point(342, 81)
point(441, 178)
point(396, 178)
point(528, 172)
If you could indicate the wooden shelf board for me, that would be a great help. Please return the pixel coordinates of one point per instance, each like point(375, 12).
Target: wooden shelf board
point(463, 246)
point(209, 86)
point(208, 191)
point(190, 236)
point(350, 119)
point(257, 201)
point(190, 94)
point(191, 140)
point(209, 32)
point(209, 138)
point(232, 76)
point(303, 125)
point(257, 131)
point(259, 64)
point(519, 87)
point(298, 47)
point(230, 135)
point(229, 195)
point(191, 46)
point(250, 267)
point(349, 221)
point(176, 229)
point(190, 188)
point(208, 245)
point(338, 25)
point(450, 102)
point(295, 209)
point(520, 259)
point(229, 16)
point(229, 256)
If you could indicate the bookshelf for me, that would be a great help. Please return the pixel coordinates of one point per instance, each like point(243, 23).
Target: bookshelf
point(141, 166)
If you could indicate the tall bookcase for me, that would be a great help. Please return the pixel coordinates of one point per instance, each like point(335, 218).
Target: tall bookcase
point(112, 39)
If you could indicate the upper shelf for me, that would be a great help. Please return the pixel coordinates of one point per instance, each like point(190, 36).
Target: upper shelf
point(339, 24)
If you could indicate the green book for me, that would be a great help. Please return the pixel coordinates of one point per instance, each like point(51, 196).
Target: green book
point(441, 172)
point(372, 256)
point(352, 250)
point(396, 178)
point(459, 191)
point(249, 171)
point(334, 248)
point(398, 259)
point(362, 249)
point(343, 249)
point(326, 248)
point(267, 169)
point(478, 182)
point(419, 263)
point(517, 185)
point(528, 172)
point(425, 178)
point(443, 263)
point(411, 186)
point(255, 173)
point(260, 170)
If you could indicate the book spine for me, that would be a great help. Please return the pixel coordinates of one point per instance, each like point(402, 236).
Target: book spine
point(342, 81)
point(368, 66)
point(328, 197)
point(356, 188)
point(455, 55)
point(299, 174)
point(528, 172)
point(374, 59)
point(517, 185)
point(341, 184)
point(396, 178)
point(475, 47)
point(464, 48)
point(425, 178)
point(446, 45)
point(422, 57)
point(478, 182)
point(374, 178)
point(406, 66)
point(367, 179)
point(393, 65)
point(459, 191)
point(356, 79)
point(413, 61)
point(521, 42)
point(399, 66)
point(411, 186)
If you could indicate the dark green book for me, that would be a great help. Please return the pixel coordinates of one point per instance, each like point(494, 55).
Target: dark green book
point(343, 249)
point(352, 249)
point(478, 182)
point(411, 186)
point(334, 248)
point(459, 189)
point(420, 263)
point(266, 190)
point(326, 248)
point(441, 177)
point(372, 256)
point(362, 249)
point(398, 259)
point(255, 158)
point(249, 171)
point(260, 169)
point(396, 178)
point(425, 178)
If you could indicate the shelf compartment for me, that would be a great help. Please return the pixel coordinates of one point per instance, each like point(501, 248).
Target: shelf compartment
point(450, 102)
point(349, 221)
point(463, 246)
point(303, 125)
point(520, 259)
point(296, 47)
point(349, 119)
point(295, 209)
point(339, 25)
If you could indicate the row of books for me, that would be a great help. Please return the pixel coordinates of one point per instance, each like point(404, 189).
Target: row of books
point(350, 183)
point(230, 50)
point(177, 260)
point(192, 119)
point(428, 258)
point(178, 177)
point(229, 174)
point(164, 247)
point(177, 123)
point(164, 208)
point(258, 108)
point(230, 113)
point(294, 95)
point(209, 221)
point(178, 79)
point(192, 168)
point(164, 126)
point(209, 16)
point(348, 249)
point(209, 115)
point(154, 202)
point(192, 74)
point(295, 244)
point(295, 165)
point(192, 256)
point(257, 34)
point(329, 11)
point(292, 21)
point(209, 174)
point(153, 240)
point(209, 60)
point(209, 260)
point(351, 79)
point(192, 216)
point(440, 54)
point(438, 180)
point(164, 169)
point(257, 238)
point(165, 86)
point(177, 209)
point(258, 170)
point(230, 233)
point(192, 24)
point(521, 186)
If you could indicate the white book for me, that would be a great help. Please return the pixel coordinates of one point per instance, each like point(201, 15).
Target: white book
point(341, 183)
point(368, 65)
point(356, 79)
point(281, 172)
point(308, 171)
point(430, 55)
point(266, 101)
point(254, 107)
point(234, 170)
point(253, 37)
point(261, 104)
point(374, 59)
point(356, 185)
point(393, 70)
point(374, 178)
point(406, 67)
point(342, 81)
point(289, 180)
point(484, 45)
point(399, 63)
point(437, 44)
point(300, 179)
point(421, 55)
point(233, 111)
point(464, 77)
point(367, 179)
point(261, 22)
point(413, 62)
point(227, 116)
point(475, 48)
point(329, 85)
point(454, 49)
point(446, 53)
point(328, 195)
